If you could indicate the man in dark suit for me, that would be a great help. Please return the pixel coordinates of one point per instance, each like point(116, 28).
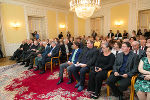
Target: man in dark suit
point(39, 57)
point(32, 49)
point(118, 35)
point(72, 60)
point(19, 51)
point(86, 59)
point(143, 45)
point(136, 49)
point(32, 55)
point(60, 36)
point(53, 53)
point(94, 34)
point(124, 68)
point(110, 34)
point(68, 35)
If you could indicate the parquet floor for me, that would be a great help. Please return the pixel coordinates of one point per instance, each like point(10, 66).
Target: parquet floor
point(6, 61)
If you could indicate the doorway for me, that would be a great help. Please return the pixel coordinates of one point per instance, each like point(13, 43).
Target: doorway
point(37, 24)
point(144, 20)
point(97, 24)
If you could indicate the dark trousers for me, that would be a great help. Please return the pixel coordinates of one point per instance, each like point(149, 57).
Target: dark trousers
point(123, 84)
point(42, 62)
point(30, 58)
point(17, 53)
point(96, 80)
point(83, 70)
point(62, 67)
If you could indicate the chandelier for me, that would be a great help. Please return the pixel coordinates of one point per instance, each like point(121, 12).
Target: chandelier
point(84, 8)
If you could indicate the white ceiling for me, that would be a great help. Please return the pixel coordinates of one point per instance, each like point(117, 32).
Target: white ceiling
point(61, 4)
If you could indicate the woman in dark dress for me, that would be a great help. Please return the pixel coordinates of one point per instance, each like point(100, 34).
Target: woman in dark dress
point(98, 73)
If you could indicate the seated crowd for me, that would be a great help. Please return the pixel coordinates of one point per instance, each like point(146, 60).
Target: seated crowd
point(96, 55)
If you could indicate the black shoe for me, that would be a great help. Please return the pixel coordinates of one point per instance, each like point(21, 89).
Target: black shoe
point(36, 69)
point(42, 72)
point(27, 65)
point(96, 96)
point(70, 81)
point(22, 63)
point(31, 67)
point(60, 81)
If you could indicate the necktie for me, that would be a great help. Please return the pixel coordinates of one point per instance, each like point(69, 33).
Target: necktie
point(73, 57)
point(136, 51)
point(142, 48)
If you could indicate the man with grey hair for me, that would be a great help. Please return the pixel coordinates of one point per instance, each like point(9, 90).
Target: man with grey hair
point(136, 49)
point(54, 52)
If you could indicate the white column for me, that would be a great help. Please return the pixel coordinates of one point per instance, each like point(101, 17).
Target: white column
point(87, 27)
point(75, 25)
point(57, 23)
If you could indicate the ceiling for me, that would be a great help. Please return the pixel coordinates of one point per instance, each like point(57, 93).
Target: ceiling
point(61, 4)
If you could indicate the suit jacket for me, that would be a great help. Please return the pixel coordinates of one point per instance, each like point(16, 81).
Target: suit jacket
point(46, 51)
point(26, 47)
point(76, 56)
point(112, 34)
point(119, 35)
point(131, 65)
point(90, 58)
point(69, 47)
point(55, 52)
point(141, 53)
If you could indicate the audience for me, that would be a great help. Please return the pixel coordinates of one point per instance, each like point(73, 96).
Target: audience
point(85, 58)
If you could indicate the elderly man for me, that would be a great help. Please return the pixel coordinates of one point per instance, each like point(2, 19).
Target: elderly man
point(54, 52)
point(124, 68)
point(136, 49)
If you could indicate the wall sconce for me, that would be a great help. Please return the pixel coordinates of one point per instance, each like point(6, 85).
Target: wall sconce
point(62, 26)
point(15, 25)
point(118, 23)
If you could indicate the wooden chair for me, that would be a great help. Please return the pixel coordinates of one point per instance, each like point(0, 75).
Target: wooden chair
point(108, 74)
point(51, 62)
point(131, 87)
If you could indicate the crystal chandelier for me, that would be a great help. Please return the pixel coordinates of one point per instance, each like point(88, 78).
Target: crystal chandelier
point(84, 8)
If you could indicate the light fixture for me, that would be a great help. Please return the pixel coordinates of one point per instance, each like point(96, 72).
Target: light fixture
point(62, 26)
point(118, 23)
point(84, 8)
point(15, 25)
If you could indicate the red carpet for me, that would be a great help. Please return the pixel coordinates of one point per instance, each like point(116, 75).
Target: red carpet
point(35, 86)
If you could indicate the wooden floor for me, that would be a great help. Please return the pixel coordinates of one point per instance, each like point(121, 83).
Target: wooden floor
point(6, 61)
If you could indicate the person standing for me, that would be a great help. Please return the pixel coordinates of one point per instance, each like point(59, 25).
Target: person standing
point(60, 36)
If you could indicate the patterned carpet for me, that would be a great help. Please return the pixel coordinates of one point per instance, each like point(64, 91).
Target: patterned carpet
point(18, 83)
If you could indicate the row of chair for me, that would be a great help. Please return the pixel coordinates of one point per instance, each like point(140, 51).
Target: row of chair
point(108, 74)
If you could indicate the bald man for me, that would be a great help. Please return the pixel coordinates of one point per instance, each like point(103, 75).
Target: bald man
point(136, 49)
